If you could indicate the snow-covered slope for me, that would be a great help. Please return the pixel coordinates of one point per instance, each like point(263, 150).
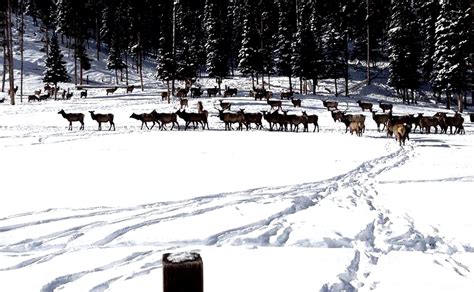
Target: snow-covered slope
point(267, 211)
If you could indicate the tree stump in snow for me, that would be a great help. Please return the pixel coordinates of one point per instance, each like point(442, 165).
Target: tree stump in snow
point(182, 272)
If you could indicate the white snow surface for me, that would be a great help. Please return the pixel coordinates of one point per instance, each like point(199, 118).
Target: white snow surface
point(267, 211)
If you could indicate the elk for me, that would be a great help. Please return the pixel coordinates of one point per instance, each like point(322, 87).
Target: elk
point(385, 106)
point(212, 91)
point(312, 119)
point(195, 118)
point(183, 102)
point(230, 118)
point(400, 130)
point(200, 107)
point(296, 102)
point(69, 95)
point(349, 118)
point(32, 98)
point(15, 89)
point(38, 92)
point(44, 97)
point(103, 118)
point(110, 90)
point(165, 118)
point(380, 119)
point(427, 122)
point(260, 95)
point(274, 104)
point(224, 105)
point(84, 93)
point(357, 127)
point(365, 105)
point(295, 121)
point(164, 95)
point(182, 92)
point(196, 92)
point(144, 118)
point(255, 118)
point(337, 115)
point(330, 105)
point(2, 100)
point(230, 92)
point(130, 88)
point(276, 118)
point(73, 117)
point(286, 94)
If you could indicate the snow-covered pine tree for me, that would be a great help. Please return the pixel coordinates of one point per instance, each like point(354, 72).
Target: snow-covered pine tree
point(215, 39)
point(284, 39)
point(234, 29)
point(250, 60)
point(114, 60)
point(334, 42)
point(55, 65)
point(451, 57)
point(404, 49)
point(427, 12)
point(268, 29)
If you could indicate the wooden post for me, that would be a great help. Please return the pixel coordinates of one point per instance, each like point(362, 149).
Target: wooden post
point(182, 272)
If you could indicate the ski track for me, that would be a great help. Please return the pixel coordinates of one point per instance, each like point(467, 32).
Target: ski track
point(363, 194)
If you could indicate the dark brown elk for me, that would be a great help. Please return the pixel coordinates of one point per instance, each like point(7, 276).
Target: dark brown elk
point(286, 94)
point(2, 100)
point(385, 106)
point(200, 107)
point(312, 119)
point(195, 118)
point(196, 92)
point(337, 115)
point(69, 95)
point(84, 93)
point(110, 90)
point(252, 118)
point(73, 117)
point(274, 104)
point(165, 118)
point(259, 95)
point(44, 97)
point(183, 102)
point(32, 98)
point(164, 95)
point(230, 92)
point(38, 92)
point(183, 92)
point(295, 121)
point(212, 91)
point(231, 118)
point(145, 118)
point(330, 105)
point(15, 89)
point(296, 102)
point(380, 119)
point(224, 105)
point(444, 122)
point(365, 105)
point(276, 118)
point(103, 118)
point(130, 88)
point(427, 122)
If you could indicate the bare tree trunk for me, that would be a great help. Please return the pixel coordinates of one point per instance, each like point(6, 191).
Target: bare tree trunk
point(253, 83)
point(346, 64)
point(269, 85)
point(460, 102)
point(4, 63)
point(335, 86)
point(126, 68)
point(10, 54)
point(368, 44)
point(291, 86)
point(169, 91)
point(141, 69)
point(21, 30)
point(75, 61)
point(448, 99)
point(97, 38)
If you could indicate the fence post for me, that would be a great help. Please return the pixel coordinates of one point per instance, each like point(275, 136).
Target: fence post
point(182, 272)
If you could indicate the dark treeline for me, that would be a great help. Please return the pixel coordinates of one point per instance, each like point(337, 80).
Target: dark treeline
point(424, 42)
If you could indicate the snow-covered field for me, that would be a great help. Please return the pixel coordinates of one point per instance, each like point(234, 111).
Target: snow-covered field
point(267, 211)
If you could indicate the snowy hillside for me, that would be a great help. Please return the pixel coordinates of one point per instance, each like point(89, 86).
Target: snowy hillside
point(267, 210)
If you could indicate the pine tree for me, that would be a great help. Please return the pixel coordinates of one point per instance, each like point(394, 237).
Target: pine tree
point(250, 61)
point(55, 65)
point(215, 46)
point(404, 49)
point(452, 52)
point(284, 39)
point(115, 61)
